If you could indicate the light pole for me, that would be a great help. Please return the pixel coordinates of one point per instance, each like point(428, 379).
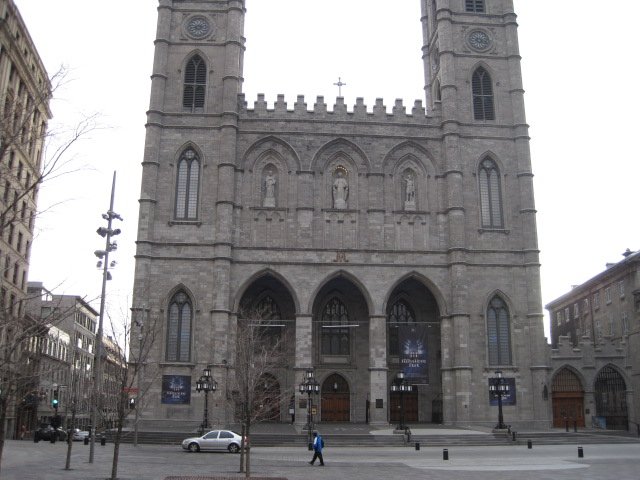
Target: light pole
point(400, 385)
point(499, 389)
point(309, 385)
point(139, 374)
point(206, 384)
point(103, 255)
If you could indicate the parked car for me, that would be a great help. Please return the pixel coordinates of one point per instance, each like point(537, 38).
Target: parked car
point(45, 432)
point(79, 435)
point(214, 440)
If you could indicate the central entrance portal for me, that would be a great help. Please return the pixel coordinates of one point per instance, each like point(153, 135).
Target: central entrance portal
point(335, 403)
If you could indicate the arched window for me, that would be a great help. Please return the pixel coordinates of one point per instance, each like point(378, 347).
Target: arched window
point(187, 185)
point(490, 194)
point(335, 338)
point(498, 332)
point(482, 90)
point(475, 6)
point(195, 83)
point(179, 328)
point(400, 313)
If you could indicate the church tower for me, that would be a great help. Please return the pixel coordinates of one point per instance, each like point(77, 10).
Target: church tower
point(382, 244)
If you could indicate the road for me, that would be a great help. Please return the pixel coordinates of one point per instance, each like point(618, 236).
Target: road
point(45, 461)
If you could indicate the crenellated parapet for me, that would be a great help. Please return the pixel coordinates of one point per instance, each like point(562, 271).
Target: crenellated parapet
point(339, 111)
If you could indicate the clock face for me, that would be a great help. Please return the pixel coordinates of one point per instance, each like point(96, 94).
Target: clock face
point(198, 27)
point(479, 40)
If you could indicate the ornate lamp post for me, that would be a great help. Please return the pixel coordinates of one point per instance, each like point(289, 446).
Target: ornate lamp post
point(309, 385)
point(499, 389)
point(206, 384)
point(401, 385)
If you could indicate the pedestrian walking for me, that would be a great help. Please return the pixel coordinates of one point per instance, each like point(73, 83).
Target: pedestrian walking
point(318, 445)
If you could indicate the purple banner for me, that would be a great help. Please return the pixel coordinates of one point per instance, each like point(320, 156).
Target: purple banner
point(413, 353)
point(176, 389)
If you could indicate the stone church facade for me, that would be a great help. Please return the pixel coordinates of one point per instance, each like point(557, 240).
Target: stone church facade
point(348, 223)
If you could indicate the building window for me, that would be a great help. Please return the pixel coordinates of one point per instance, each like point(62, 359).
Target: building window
point(490, 194)
point(482, 90)
point(596, 300)
point(559, 318)
point(567, 316)
point(400, 313)
point(335, 332)
point(607, 295)
point(624, 323)
point(179, 328)
point(498, 332)
point(475, 6)
point(576, 312)
point(621, 288)
point(187, 186)
point(195, 82)
point(585, 306)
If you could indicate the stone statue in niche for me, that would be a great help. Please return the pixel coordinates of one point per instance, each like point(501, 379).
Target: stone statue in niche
point(340, 191)
point(269, 189)
point(409, 192)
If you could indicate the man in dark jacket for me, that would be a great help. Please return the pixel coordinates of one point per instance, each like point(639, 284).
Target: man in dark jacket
point(318, 444)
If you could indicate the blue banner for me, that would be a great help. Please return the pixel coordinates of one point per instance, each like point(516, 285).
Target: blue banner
point(413, 353)
point(176, 389)
point(509, 398)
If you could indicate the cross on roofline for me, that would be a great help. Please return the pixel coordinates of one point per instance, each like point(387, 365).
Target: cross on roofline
point(340, 84)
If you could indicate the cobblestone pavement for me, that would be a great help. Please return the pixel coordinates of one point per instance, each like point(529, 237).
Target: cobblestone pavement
point(45, 461)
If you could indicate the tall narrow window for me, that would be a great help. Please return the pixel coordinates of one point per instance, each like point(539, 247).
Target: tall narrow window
point(490, 194)
point(400, 313)
point(498, 332)
point(335, 332)
point(475, 6)
point(187, 185)
point(195, 82)
point(482, 90)
point(179, 329)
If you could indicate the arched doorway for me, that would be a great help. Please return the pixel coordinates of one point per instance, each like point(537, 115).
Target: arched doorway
point(611, 399)
point(414, 346)
point(335, 403)
point(567, 396)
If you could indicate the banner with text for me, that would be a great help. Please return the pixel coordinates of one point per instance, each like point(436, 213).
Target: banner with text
point(413, 353)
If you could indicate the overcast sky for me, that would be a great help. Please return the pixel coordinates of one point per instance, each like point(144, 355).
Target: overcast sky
point(582, 100)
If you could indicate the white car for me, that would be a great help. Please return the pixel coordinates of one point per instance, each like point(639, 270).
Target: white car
point(214, 440)
point(79, 435)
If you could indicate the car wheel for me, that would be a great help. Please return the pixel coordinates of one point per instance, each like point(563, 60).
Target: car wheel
point(194, 447)
point(233, 448)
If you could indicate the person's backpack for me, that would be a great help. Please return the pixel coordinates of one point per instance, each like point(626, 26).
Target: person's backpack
point(321, 442)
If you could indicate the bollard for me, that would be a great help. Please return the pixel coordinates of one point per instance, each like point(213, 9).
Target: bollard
point(417, 445)
point(445, 454)
point(566, 425)
point(580, 452)
point(513, 436)
point(529, 444)
point(103, 441)
point(86, 440)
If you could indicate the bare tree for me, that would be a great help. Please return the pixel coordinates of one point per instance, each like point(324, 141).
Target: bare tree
point(262, 348)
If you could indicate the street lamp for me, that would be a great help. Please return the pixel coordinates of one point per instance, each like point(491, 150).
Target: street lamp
point(104, 264)
point(400, 385)
point(206, 384)
point(309, 385)
point(499, 389)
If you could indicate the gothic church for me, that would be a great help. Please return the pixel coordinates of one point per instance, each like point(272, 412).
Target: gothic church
point(355, 227)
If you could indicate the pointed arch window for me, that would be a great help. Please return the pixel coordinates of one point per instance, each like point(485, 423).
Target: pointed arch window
point(195, 83)
point(179, 328)
point(187, 186)
point(482, 90)
point(490, 194)
point(335, 336)
point(498, 332)
point(268, 311)
point(399, 314)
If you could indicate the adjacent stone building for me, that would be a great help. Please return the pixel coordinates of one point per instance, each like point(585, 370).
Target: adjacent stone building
point(374, 236)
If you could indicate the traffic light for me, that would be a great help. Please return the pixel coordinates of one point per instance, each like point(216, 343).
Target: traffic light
point(132, 403)
point(54, 401)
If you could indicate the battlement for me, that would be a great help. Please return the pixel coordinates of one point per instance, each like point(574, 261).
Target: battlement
point(320, 111)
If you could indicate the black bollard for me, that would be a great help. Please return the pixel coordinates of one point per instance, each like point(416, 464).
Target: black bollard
point(103, 441)
point(445, 454)
point(566, 425)
point(417, 445)
point(529, 444)
point(580, 452)
point(513, 435)
point(86, 440)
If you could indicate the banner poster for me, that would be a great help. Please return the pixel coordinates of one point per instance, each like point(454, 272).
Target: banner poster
point(510, 399)
point(413, 353)
point(176, 389)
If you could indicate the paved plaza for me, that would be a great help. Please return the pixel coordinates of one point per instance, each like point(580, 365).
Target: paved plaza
point(45, 461)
